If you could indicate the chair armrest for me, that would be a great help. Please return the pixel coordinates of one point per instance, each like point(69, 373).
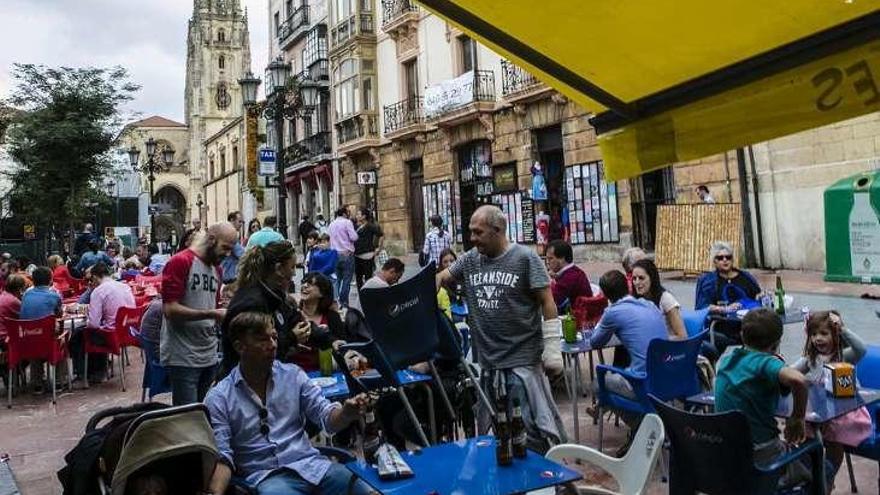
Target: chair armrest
point(811, 447)
point(637, 382)
point(342, 456)
point(611, 465)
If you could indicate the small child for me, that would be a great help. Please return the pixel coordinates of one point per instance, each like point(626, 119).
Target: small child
point(323, 259)
point(829, 341)
point(751, 379)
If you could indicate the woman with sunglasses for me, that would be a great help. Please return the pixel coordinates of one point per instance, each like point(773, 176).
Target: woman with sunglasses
point(319, 310)
point(722, 290)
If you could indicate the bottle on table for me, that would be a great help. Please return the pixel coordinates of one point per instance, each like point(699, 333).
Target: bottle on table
point(503, 447)
point(518, 431)
point(780, 296)
point(372, 436)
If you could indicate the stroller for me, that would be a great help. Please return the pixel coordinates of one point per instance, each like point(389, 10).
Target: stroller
point(150, 448)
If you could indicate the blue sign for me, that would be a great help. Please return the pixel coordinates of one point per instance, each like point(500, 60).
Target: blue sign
point(267, 162)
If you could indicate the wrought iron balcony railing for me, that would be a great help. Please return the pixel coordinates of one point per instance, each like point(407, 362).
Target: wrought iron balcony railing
point(356, 24)
point(309, 148)
point(359, 126)
point(515, 79)
point(294, 27)
point(393, 9)
point(404, 114)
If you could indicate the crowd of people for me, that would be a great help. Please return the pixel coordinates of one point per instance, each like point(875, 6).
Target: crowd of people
point(233, 331)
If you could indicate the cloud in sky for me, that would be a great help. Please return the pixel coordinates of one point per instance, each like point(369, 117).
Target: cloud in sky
point(147, 38)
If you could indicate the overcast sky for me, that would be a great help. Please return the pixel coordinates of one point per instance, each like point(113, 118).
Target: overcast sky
point(147, 38)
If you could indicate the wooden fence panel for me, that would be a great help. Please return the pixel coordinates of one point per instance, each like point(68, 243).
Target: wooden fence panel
point(685, 234)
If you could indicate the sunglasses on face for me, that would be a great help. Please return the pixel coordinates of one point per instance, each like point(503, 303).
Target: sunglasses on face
point(723, 257)
point(264, 421)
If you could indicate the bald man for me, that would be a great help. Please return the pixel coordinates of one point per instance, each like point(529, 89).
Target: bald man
point(190, 290)
point(508, 295)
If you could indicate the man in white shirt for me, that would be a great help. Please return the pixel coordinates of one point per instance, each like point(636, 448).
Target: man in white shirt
point(388, 275)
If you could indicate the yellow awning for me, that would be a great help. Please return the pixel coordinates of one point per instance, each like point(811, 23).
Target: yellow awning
point(673, 80)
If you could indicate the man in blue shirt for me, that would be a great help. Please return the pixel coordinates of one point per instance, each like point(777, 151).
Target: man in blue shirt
point(259, 411)
point(265, 235)
point(39, 302)
point(230, 263)
point(635, 322)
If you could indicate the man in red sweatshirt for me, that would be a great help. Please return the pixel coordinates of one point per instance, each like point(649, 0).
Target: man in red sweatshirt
point(568, 280)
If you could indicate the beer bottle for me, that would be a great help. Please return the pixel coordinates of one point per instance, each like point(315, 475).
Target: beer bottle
point(503, 448)
point(780, 296)
point(372, 436)
point(518, 431)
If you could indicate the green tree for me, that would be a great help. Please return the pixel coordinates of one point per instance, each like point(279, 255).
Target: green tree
point(61, 140)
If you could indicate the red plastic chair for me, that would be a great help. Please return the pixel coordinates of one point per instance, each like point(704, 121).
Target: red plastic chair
point(128, 323)
point(154, 280)
point(34, 340)
point(587, 311)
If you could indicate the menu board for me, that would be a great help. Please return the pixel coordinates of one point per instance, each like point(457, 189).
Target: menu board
point(520, 213)
point(592, 204)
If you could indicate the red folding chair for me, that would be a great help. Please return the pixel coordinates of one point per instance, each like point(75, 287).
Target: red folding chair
point(587, 311)
point(128, 323)
point(34, 340)
point(154, 280)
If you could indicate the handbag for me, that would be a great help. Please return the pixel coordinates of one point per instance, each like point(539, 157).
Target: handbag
point(740, 296)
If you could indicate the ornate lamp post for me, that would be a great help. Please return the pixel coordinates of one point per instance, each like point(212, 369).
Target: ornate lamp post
point(199, 205)
point(151, 167)
point(114, 192)
point(286, 99)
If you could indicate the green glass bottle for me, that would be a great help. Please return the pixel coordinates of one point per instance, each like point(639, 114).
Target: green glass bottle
point(780, 296)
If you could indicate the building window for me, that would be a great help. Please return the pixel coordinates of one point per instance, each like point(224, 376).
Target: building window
point(316, 46)
point(277, 20)
point(222, 161)
point(467, 51)
point(347, 95)
point(221, 62)
point(221, 35)
point(411, 79)
point(344, 9)
point(235, 165)
point(289, 8)
point(367, 96)
point(211, 168)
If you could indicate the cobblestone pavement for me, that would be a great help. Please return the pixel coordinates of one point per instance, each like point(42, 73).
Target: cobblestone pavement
point(36, 435)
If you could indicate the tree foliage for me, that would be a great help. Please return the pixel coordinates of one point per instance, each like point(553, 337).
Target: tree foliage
point(61, 139)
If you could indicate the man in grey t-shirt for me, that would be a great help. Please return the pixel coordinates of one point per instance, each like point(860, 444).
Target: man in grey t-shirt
point(507, 289)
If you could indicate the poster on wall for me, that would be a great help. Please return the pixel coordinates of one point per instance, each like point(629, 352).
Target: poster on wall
point(864, 237)
point(436, 200)
point(520, 212)
point(592, 204)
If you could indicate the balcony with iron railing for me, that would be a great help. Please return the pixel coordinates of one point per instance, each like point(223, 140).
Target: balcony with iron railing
point(318, 71)
point(309, 149)
point(518, 83)
point(404, 118)
point(360, 24)
point(357, 131)
point(462, 99)
point(294, 28)
point(396, 13)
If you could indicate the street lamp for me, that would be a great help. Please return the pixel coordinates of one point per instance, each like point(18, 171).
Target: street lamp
point(151, 168)
point(111, 186)
point(284, 101)
point(199, 204)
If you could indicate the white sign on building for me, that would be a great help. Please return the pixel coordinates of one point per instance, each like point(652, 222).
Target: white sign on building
point(449, 94)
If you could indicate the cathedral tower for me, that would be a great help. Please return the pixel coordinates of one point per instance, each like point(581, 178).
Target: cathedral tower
point(218, 55)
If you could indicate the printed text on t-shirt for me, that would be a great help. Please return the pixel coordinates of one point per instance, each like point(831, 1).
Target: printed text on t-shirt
point(491, 286)
point(207, 282)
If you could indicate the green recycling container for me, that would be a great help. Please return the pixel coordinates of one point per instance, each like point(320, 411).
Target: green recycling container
point(852, 229)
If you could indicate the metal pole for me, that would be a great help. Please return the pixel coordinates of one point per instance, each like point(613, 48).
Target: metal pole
point(150, 206)
point(279, 162)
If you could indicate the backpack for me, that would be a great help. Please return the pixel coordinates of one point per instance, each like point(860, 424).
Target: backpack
point(740, 296)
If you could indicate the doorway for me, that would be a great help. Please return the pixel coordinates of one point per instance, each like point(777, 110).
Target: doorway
point(552, 160)
point(475, 181)
point(416, 204)
point(649, 191)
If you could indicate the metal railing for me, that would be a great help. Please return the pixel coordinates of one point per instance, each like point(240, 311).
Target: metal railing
point(309, 148)
point(392, 9)
point(357, 127)
point(404, 113)
point(356, 24)
point(294, 26)
point(515, 79)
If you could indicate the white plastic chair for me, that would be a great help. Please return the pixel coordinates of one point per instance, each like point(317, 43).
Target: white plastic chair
point(631, 472)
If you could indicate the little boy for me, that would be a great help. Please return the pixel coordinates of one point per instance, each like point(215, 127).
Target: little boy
point(323, 259)
point(751, 379)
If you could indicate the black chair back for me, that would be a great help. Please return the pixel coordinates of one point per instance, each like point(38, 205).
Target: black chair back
point(403, 318)
point(711, 453)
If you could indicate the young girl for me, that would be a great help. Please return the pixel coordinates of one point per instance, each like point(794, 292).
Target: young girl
point(828, 341)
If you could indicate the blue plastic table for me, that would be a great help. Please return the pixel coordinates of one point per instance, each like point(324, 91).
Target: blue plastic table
point(821, 407)
point(339, 391)
point(467, 467)
point(571, 359)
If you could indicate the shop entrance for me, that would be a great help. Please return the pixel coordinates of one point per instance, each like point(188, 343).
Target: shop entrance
point(552, 160)
point(475, 182)
point(649, 191)
point(417, 220)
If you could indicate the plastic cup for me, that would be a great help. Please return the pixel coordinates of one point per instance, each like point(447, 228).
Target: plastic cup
point(569, 329)
point(325, 362)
